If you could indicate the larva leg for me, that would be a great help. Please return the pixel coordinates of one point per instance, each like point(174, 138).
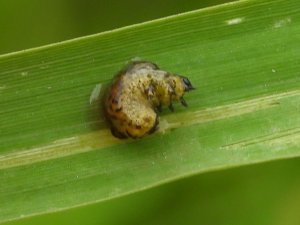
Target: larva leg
point(117, 133)
point(171, 108)
point(183, 102)
point(159, 108)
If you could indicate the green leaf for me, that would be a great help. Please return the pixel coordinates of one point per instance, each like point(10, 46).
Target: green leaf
point(58, 153)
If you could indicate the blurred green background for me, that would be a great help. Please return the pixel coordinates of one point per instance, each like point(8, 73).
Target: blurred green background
point(32, 23)
point(257, 194)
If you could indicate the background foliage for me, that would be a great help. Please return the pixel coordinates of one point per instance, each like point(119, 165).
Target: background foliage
point(32, 23)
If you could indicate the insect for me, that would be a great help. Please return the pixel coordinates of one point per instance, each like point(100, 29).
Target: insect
point(137, 94)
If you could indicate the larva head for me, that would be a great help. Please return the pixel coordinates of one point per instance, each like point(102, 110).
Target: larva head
point(180, 85)
point(186, 84)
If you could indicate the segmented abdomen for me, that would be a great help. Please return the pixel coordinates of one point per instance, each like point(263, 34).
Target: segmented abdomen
point(129, 111)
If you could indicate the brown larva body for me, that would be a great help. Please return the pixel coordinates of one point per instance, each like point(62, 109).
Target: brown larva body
point(137, 93)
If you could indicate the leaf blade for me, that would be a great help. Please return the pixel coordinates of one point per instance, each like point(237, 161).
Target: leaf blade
point(57, 152)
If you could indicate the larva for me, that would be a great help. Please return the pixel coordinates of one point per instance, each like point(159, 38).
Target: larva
point(137, 94)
